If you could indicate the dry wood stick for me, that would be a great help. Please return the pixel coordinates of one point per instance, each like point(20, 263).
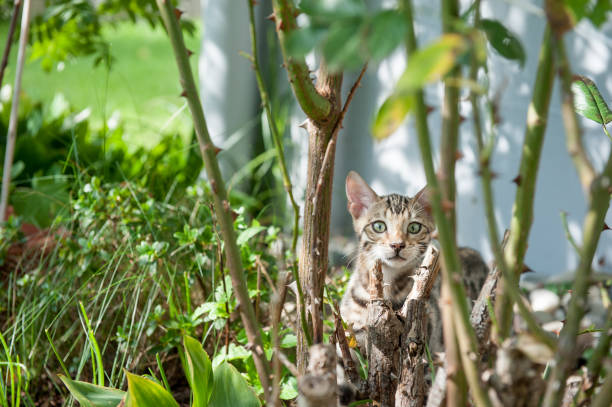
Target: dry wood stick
point(411, 390)
point(384, 331)
point(318, 386)
point(277, 303)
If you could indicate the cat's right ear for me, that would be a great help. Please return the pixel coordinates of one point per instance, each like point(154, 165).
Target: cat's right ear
point(359, 194)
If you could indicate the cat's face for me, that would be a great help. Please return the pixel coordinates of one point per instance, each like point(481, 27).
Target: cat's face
point(393, 228)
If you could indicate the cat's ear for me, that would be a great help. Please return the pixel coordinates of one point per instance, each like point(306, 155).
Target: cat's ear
point(422, 198)
point(359, 194)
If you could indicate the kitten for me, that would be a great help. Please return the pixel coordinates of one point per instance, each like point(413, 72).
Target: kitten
point(395, 229)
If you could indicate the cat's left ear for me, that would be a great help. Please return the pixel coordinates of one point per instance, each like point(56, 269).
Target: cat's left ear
point(422, 197)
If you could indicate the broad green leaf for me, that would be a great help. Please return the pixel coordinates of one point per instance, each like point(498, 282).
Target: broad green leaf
point(391, 115)
point(199, 374)
point(91, 395)
point(300, 42)
point(288, 341)
point(599, 13)
point(247, 234)
point(289, 389)
point(503, 40)
point(342, 47)
point(333, 9)
point(385, 33)
point(234, 352)
point(588, 102)
point(146, 393)
point(231, 389)
point(431, 63)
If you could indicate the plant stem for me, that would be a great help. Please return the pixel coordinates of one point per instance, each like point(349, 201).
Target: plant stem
point(465, 333)
point(221, 203)
point(14, 117)
point(313, 103)
point(573, 133)
point(484, 152)
point(276, 137)
point(522, 212)
point(592, 228)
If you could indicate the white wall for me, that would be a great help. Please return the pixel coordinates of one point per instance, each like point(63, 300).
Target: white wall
point(394, 165)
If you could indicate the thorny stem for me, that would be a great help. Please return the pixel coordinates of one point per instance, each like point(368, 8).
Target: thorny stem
point(276, 137)
point(484, 152)
point(573, 133)
point(592, 228)
point(522, 212)
point(465, 333)
point(221, 203)
point(315, 105)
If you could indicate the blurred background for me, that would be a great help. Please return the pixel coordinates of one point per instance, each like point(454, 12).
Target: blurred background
point(126, 90)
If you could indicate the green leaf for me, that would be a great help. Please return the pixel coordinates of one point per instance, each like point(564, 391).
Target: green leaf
point(247, 234)
point(387, 30)
point(342, 47)
point(234, 352)
point(146, 393)
point(300, 42)
point(289, 389)
point(598, 14)
point(391, 115)
point(91, 395)
point(503, 40)
point(431, 63)
point(588, 102)
point(199, 374)
point(333, 9)
point(231, 389)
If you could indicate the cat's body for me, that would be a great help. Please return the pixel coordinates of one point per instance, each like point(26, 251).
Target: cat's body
point(396, 230)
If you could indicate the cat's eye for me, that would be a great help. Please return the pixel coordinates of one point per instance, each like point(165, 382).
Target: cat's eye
point(379, 226)
point(414, 228)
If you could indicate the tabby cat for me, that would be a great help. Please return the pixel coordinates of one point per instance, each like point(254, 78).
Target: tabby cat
point(395, 229)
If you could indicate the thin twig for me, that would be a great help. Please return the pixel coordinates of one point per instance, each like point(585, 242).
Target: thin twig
point(12, 128)
point(276, 305)
point(9, 39)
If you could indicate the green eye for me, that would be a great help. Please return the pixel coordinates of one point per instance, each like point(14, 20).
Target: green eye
point(414, 228)
point(379, 226)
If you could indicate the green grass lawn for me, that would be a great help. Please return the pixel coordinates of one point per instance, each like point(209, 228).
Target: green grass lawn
point(142, 86)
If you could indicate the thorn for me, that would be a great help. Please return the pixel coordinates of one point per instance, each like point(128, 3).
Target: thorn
point(429, 109)
point(458, 155)
point(189, 52)
point(605, 227)
point(601, 261)
point(517, 180)
point(447, 205)
point(461, 119)
point(218, 150)
point(281, 26)
point(494, 174)
point(527, 269)
point(184, 94)
point(226, 205)
point(304, 124)
point(271, 17)
point(254, 2)
point(178, 13)
point(213, 186)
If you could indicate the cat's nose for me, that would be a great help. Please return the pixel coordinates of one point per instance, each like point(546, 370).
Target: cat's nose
point(397, 246)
